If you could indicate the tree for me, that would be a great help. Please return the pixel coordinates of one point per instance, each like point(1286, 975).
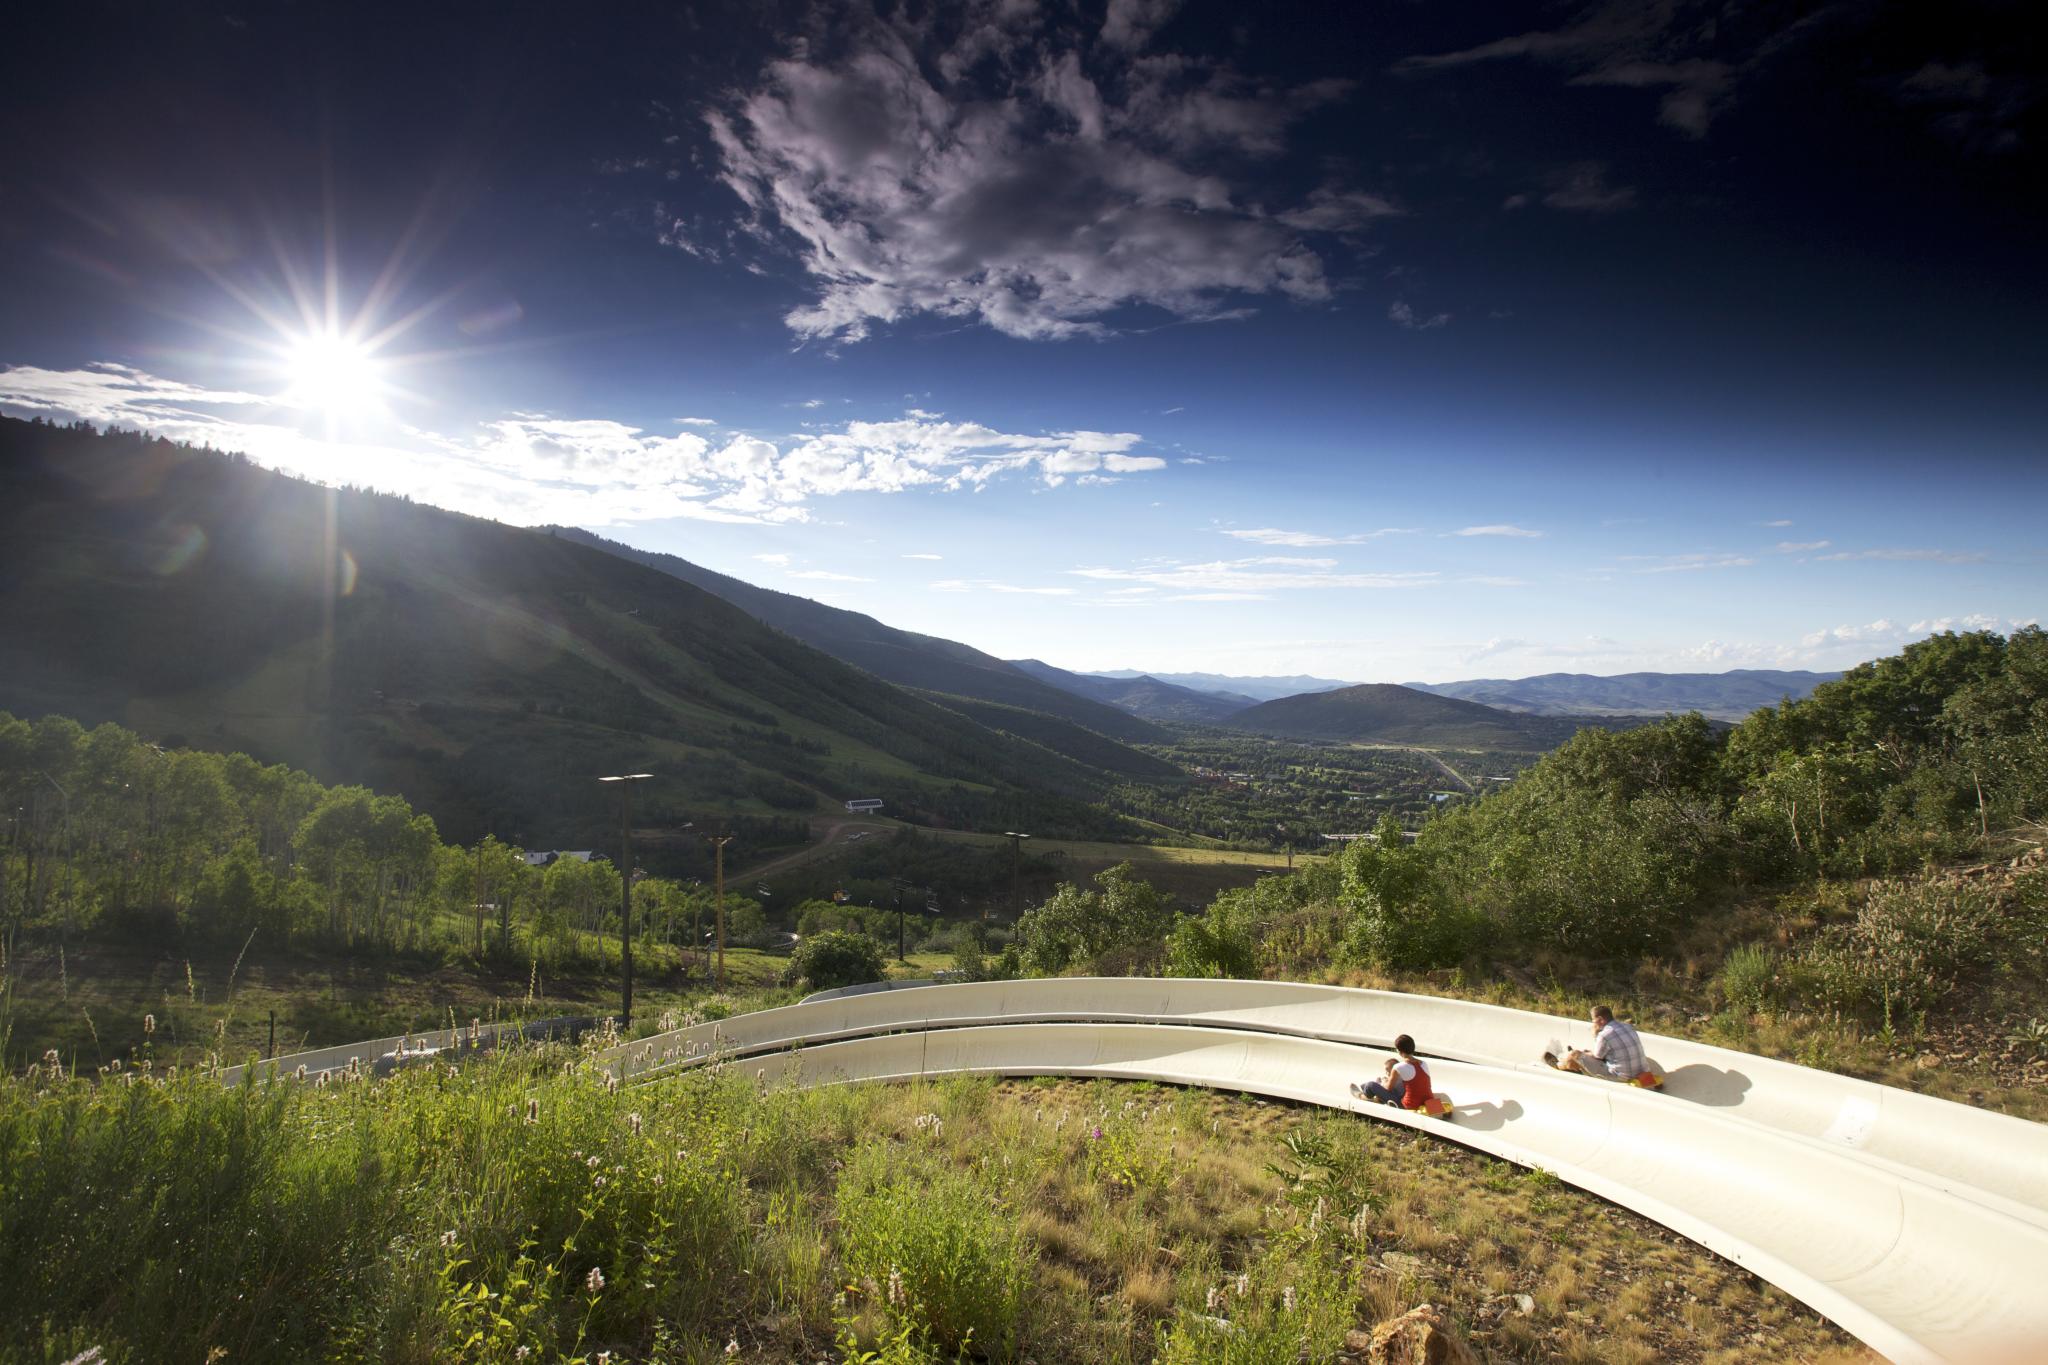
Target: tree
point(836, 958)
point(1077, 926)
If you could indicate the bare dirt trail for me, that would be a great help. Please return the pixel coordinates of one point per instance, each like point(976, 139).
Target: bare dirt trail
point(825, 837)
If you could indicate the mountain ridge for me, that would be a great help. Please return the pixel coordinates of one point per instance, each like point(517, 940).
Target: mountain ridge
point(1729, 696)
point(927, 663)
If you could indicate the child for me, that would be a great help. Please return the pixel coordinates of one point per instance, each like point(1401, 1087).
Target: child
point(1405, 1079)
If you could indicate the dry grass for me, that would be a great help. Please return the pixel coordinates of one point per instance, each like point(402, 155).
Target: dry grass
point(1116, 1263)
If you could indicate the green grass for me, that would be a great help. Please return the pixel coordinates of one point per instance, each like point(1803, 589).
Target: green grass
point(461, 1215)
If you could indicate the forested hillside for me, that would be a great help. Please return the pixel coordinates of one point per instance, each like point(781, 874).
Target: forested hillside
point(904, 657)
point(485, 673)
point(1388, 714)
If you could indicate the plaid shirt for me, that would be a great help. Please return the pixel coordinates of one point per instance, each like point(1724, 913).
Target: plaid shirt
point(1620, 1051)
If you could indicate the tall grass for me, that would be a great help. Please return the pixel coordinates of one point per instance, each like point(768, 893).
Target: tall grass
point(519, 1209)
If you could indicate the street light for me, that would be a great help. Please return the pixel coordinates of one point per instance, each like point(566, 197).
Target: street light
point(626, 781)
point(1016, 864)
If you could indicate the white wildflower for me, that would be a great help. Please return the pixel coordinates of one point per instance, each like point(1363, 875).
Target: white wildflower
point(594, 1281)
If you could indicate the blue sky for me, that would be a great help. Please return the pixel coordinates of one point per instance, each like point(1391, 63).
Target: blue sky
point(1404, 344)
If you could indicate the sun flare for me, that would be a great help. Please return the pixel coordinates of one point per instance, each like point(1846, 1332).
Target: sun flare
point(334, 374)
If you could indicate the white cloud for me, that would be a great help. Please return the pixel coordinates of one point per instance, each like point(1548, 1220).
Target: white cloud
point(1923, 556)
point(1271, 535)
point(1400, 313)
point(922, 415)
point(529, 468)
point(1687, 563)
point(1793, 547)
point(923, 556)
point(109, 393)
point(1584, 189)
point(1256, 575)
point(1519, 532)
point(911, 173)
point(1218, 597)
point(696, 422)
point(828, 576)
point(1781, 522)
point(779, 561)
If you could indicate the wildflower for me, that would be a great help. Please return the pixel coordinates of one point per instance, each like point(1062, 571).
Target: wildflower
point(657, 1179)
point(533, 1110)
point(895, 1287)
point(1287, 1298)
point(1215, 1298)
point(604, 1358)
point(594, 1281)
point(732, 1346)
point(591, 1163)
point(598, 1181)
point(633, 1122)
point(611, 1084)
point(149, 1023)
point(1096, 1134)
point(1244, 1285)
point(448, 1238)
point(522, 1353)
point(300, 1074)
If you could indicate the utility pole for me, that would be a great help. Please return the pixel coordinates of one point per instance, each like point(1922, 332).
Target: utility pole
point(1016, 869)
point(479, 907)
point(718, 873)
point(626, 782)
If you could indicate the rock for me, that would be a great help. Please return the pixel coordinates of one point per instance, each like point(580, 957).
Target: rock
point(1418, 1337)
point(1524, 1305)
point(1401, 1263)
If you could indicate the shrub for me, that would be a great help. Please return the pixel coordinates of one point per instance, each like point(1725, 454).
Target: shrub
point(946, 1260)
point(837, 958)
point(1223, 941)
point(1749, 978)
point(1910, 945)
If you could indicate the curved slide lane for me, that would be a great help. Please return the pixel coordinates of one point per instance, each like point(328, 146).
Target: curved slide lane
point(1918, 1225)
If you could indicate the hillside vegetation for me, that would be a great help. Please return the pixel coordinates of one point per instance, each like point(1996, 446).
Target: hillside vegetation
point(518, 1210)
point(1385, 713)
point(906, 658)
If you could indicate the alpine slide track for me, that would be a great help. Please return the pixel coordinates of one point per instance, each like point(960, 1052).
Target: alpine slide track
point(1918, 1225)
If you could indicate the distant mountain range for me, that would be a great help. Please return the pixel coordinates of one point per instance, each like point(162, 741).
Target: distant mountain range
point(1247, 690)
point(1141, 694)
point(1722, 696)
point(1391, 714)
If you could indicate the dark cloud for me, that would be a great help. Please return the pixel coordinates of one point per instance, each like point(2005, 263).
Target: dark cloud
point(1026, 177)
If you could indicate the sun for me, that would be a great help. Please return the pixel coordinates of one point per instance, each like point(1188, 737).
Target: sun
point(334, 374)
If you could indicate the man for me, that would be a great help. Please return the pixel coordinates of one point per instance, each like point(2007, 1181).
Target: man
point(1616, 1055)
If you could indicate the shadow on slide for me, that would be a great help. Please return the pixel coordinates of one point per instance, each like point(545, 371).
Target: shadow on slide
point(1486, 1116)
point(1709, 1085)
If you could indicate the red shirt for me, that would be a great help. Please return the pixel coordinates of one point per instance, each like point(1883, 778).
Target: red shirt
point(1415, 1092)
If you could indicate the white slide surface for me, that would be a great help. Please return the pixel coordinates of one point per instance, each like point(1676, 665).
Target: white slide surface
point(1918, 1225)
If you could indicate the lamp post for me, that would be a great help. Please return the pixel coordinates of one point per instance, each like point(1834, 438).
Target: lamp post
point(1016, 866)
point(718, 897)
point(626, 781)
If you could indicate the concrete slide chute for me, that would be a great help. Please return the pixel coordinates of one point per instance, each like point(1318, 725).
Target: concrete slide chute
point(1918, 1225)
